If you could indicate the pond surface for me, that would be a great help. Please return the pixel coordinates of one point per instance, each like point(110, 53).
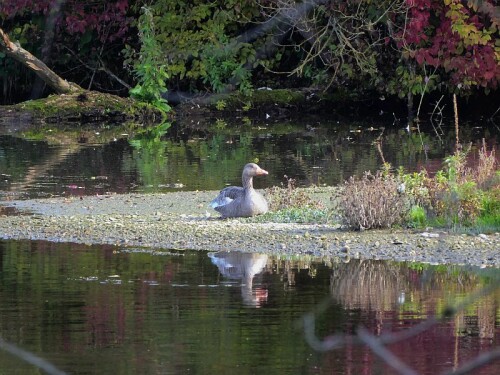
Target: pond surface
point(105, 310)
point(58, 161)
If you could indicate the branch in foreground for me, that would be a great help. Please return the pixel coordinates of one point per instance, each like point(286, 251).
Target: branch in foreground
point(30, 358)
point(386, 355)
point(337, 341)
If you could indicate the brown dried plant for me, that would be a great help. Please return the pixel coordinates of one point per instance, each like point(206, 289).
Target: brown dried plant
point(372, 201)
point(288, 196)
point(487, 166)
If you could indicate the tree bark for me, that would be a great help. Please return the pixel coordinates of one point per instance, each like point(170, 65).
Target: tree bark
point(58, 84)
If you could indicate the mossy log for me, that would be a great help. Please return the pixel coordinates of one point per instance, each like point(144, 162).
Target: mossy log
point(72, 102)
point(82, 107)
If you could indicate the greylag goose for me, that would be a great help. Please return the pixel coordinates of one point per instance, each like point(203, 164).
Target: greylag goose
point(235, 201)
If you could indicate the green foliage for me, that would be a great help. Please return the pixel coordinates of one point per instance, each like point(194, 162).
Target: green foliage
point(489, 217)
point(198, 41)
point(490, 205)
point(226, 64)
point(294, 215)
point(417, 217)
point(150, 69)
point(408, 79)
point(457, 196)
point(221, 105)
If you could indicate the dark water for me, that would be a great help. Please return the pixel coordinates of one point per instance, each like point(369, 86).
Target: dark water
point(107, 310)
point(57, 162)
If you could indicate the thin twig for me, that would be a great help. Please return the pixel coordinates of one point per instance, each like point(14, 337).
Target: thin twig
point(455, 110)
point(387, 356)
point(481, 360)
point(30, 358)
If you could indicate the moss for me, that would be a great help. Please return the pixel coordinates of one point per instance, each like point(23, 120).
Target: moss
point(86, 106)
point(258, 98)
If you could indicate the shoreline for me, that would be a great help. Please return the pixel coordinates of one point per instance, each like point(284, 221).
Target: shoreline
point(182, 221)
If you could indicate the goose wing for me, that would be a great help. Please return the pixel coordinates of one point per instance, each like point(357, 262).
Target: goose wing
point(227, 195)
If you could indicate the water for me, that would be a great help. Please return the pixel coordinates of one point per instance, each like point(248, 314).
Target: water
point(59, 161)
point(103, 309)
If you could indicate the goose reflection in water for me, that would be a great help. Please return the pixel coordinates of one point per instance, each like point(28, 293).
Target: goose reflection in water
point(243, 266)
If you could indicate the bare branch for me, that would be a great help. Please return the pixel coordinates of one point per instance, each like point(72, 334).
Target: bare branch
point(388, 357)
point(30, 358)
point(481, 360)
point(18, 53)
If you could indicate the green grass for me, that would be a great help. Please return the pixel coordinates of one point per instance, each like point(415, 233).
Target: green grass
point(295, 215)
point(417, 217)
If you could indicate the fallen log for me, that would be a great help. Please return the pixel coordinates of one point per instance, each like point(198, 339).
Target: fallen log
point(15, 51)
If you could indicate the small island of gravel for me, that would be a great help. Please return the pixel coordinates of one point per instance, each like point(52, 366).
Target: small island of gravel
point(182, 220)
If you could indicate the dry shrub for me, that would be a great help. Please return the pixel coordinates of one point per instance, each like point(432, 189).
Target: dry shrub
point(286, 197)
point(372, 201)
point(485, 171)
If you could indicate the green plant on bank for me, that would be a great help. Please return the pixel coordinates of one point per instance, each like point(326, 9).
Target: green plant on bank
point(221, 105)
point(489, 217)
point(417, 217)
point(150, 70)
point(457, 196)
point(287, 204)
point(247, 106)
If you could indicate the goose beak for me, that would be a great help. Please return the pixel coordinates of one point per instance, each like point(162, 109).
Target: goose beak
point(262, 172)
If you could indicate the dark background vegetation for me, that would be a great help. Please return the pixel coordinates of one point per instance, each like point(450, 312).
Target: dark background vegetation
point(379, 53)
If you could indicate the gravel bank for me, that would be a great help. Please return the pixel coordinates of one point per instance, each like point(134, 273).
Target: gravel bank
point(180, 221)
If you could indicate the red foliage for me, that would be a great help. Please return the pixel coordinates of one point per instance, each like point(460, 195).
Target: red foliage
point(107, 18)
point(432, 41)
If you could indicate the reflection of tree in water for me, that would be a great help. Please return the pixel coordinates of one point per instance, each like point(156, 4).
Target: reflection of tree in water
point(382, 286)
point(243, 266)
point(369, 284)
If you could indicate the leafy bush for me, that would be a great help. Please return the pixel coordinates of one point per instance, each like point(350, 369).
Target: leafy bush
point(457, 194)
point(150, 69)
point(372, 201)
point(489, 217)
point(224, 65)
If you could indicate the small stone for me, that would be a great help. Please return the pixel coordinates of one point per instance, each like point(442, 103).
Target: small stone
point(344, 249)
point(428, 234)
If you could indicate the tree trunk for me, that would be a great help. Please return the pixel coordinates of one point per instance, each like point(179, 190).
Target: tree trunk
point(59, 85)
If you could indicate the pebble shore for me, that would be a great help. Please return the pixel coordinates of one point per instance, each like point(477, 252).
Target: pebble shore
point(182, 220)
